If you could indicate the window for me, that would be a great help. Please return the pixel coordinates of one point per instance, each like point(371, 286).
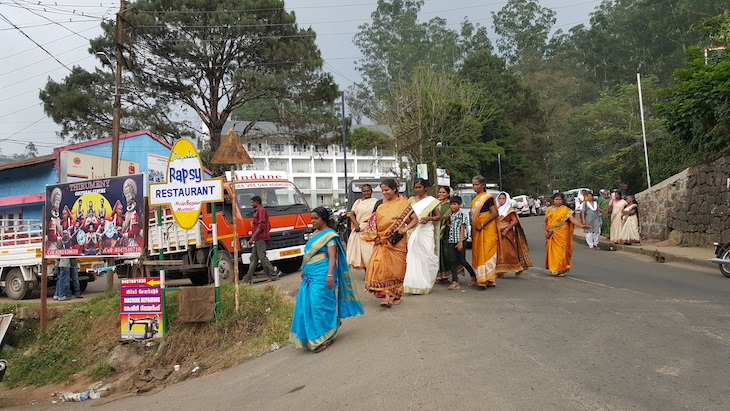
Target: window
point(323, 166)
point(301, 166)
point(303, 183)
point(321, 149)
point(324, 183)
point(278, 148)
point(300, 148)
point(278, 165)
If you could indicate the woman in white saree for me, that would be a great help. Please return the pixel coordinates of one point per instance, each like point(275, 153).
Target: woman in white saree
point(422, 261)
point(359, 250)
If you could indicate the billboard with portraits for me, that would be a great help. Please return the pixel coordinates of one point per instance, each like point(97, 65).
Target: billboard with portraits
point(101, 217)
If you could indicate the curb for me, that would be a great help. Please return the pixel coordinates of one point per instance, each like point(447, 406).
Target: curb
point(655, 253)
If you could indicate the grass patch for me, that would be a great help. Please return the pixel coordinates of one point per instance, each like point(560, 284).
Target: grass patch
point(81, 339)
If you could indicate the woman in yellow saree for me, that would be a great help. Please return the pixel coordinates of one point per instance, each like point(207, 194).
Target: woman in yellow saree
point(485, 236)
point(559, 223)
point(387, 228)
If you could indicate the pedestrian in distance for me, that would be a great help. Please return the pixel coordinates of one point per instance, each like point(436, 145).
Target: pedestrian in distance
point(617, 221)
point(630, 229)
point(327, 293)
point(259, 239)
point(387, 228)
point(590, 215)
point(63, 288)
point(74, 285)
point(359, 250)
point(456, 236)
point(559, 224)
point(485, 236)
point(604, 206)
point(422, 260)
point(442, 236)
point(513, 255)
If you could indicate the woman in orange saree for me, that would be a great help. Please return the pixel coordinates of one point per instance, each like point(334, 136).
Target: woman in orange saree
point(387, 266)
point(514, 255)
point(559, 223)
point(485, 236)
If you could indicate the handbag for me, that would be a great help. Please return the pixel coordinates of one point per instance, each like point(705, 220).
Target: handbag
point(395, 238)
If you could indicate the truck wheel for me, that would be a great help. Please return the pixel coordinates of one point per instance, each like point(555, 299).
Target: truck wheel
point(291, 265)
point(225, 267)
point(15, 285)
point(83, 284)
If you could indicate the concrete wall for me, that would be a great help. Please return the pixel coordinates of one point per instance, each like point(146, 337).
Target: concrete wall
point(691, 208)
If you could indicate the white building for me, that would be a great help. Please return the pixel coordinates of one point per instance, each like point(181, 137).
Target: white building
point(318, 170)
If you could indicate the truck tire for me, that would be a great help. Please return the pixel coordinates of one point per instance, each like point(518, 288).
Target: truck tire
point(15, 286)
point(225, 267)
point(291, 265)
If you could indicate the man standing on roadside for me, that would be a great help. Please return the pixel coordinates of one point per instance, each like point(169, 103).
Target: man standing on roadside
point(259, 240)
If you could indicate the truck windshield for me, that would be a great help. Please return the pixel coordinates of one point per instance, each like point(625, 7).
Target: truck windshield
point(279, 197)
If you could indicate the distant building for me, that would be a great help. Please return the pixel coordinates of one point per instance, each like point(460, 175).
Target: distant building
point(318, 170)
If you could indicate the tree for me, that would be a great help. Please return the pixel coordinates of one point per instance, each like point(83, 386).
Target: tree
point(438, 107)
point(523, 27)
point(696, 109)
point(82, 105)
point(363, 138)
point(31, 150)
point(214, 57)
point(396, 43)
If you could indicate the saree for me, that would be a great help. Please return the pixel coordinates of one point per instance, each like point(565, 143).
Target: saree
point(559, 245)
point(603, 205)
point(485, 243)
point(318, 310)
point(630, 230)
point(359, 250)
point(442, 236)
point(513, 255)
point(617, 222)
point(422, 262)
point(387, 266)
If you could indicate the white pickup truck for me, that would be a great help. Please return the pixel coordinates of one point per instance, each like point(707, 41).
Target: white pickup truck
point(21, 259)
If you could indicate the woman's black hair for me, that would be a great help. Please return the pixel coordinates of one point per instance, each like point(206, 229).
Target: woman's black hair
point(366, 185)
point(448, 190)
point(326, 215)
point(480, 179)
point(421, 182)
point(556, 195)
point(390, 183)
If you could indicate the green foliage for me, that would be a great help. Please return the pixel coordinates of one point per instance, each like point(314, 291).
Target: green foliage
point(81, 339)
point(217, 56)
point(523, 27)
point(696, 108)
point(396, 43)
point(363, 138)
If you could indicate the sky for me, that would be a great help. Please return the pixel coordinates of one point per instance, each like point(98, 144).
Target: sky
point(43, 39)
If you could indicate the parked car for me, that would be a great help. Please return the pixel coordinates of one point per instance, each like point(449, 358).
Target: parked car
point(571, 195)
point(521, 205)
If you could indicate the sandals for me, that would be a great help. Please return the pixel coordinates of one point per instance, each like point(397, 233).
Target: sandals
point(491, 284)
point(385, 304)
point(323, 346)
point(472, 282)
point(454, 286)
point(560, 275)
point(519, 273)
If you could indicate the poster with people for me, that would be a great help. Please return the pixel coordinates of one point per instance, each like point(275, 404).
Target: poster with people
point(101, 217)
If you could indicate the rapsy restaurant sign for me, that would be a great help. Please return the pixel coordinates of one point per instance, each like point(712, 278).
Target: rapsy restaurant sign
point(185, 188)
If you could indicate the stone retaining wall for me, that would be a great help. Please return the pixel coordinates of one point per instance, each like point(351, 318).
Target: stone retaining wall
point(691, 208)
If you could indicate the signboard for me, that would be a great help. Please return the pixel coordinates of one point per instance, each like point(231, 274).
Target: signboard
point(156, 168)
point(258, 175)
point(422, 170)
point(141, 308)
point(98, 217)
point(185, 188)
point(443, 177)
point(80, 166)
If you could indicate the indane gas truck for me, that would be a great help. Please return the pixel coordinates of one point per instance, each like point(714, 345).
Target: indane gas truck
point(289, 216)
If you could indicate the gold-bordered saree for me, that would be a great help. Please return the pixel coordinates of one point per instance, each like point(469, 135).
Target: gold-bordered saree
point(485, 242)
point(559, 245)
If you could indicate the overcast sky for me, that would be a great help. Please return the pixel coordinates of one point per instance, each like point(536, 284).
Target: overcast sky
point(44, 39)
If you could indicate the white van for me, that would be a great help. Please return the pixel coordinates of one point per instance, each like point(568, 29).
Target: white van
point(521, 205)
point(571, 195)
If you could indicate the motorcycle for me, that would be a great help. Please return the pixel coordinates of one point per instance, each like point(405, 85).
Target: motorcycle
point(722, 251)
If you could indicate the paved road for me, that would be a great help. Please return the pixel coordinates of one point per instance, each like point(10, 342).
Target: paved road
point(620, 332)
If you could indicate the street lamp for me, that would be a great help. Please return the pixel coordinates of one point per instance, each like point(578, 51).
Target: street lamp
point(116, 119)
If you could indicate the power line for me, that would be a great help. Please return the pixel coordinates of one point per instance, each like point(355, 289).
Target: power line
point(34, 42)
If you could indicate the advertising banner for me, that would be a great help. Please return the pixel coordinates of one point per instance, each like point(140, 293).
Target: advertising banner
point(443, 177)
point(141, 308)
point(95, 217)
point(185, 188)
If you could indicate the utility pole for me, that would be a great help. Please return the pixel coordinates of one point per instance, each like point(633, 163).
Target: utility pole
point(344, 144)
point(117, 113)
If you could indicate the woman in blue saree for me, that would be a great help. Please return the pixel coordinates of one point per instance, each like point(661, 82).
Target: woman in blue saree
point(327, 292)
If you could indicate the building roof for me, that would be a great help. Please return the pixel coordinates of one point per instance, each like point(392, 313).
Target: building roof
point(32, 161)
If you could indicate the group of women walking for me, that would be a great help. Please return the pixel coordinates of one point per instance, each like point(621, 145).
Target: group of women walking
point(623, 215)
point(404, 245)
